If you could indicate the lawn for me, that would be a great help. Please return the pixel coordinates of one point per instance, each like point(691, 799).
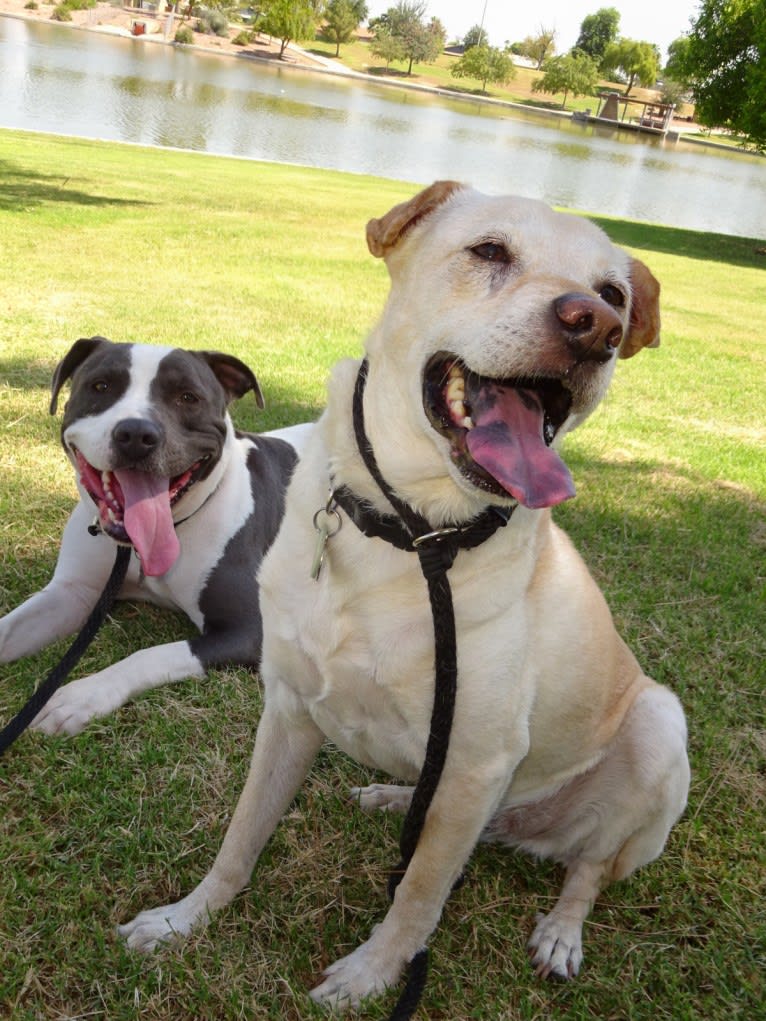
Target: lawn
point(269, 263)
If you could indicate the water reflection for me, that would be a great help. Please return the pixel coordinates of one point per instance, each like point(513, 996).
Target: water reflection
point(59, 80)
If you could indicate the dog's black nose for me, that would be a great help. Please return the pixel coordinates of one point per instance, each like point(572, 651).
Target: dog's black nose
point(592, 329)
point(136, 438)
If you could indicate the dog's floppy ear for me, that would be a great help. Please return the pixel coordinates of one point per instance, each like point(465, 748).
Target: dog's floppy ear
point(644, 327)
point(73, 359)
point(234, 376)
point(385, 233)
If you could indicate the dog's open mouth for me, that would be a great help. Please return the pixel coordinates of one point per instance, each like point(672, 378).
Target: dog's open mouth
point(137, 507)
point(500, 430)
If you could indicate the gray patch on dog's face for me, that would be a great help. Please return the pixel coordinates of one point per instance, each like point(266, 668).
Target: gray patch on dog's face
point(98, 383)
point(189, 404)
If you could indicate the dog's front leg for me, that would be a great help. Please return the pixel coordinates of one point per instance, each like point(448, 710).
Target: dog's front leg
point(54, 612)
point(73, 706)
point(458, 813)
point(63, 606)
point(285, 746)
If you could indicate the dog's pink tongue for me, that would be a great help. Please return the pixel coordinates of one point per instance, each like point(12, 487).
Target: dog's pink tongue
point(507, 441)
point(148, 520)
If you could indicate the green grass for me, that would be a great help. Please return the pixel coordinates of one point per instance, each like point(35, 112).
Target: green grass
point(269, 263)
point(729, 139)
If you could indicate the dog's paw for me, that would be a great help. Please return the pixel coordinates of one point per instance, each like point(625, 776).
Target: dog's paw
point(70, 709)
point(158, 927)
point(355, 977)
point(555, 947)
point(383, 797)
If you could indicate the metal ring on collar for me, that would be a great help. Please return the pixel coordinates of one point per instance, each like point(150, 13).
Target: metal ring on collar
point(328, 511)
point(440, 533)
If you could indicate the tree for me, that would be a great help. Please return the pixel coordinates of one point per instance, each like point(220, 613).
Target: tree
point(386, 46)
point(676, 65)
point(573, 72)
point(290, 19)
point(539, 47)
point(725, 67)
point(485, 64)
point(634, 59)
point(476, 36)
point(342, 19)
point(417, 41)
point(597, 31)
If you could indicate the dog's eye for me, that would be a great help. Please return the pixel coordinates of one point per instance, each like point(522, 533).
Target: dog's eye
point(187, 397)
point(612, 295)
point(100, 386)
point(492, 251)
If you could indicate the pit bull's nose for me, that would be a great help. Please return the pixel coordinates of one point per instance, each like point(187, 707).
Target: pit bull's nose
point(591, 328)
point(136, 438)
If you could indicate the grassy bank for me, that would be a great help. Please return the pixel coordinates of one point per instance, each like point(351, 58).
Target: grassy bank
point(269, 263)
point(357, 56)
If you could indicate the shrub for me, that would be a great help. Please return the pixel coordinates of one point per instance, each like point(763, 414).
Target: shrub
point(30, 5)
point(213, 22)
point(184, 35)
point(244, 38)
point(63, 11)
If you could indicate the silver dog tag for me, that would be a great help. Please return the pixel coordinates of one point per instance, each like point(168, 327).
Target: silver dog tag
point(325, 514)
point(323, 534)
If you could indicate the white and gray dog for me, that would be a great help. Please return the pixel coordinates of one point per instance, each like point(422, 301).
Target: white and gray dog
point(159, 466)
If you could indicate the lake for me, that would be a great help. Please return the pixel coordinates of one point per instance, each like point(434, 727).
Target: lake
point(89, 84)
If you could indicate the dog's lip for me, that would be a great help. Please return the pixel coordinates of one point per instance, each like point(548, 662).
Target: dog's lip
point(103, 488)
point(451, 418)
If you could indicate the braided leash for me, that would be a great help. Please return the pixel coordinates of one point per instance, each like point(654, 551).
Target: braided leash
point(436, 551)
point(71, 657)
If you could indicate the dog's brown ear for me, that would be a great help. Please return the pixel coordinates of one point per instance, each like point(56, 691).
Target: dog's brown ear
point(233, 375)
point(73, 359)
point(644, 327)
point(385, 233)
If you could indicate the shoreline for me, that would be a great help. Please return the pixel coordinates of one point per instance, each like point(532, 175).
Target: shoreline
point(118, 21)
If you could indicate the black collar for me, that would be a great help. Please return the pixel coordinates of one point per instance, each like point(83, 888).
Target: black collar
point(389, 526)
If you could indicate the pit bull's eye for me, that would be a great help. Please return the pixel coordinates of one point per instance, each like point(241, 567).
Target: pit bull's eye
point(492, 251)
point(101, 386)
point(187, 397)
point(612, 296)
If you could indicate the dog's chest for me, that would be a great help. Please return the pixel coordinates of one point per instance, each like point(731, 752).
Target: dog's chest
point(358, 649)
point(373, 652)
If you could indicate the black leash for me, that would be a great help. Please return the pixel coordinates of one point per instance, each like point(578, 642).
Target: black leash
point(436, 549)
point(69, 660)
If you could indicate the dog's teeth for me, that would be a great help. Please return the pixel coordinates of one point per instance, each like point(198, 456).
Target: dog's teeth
point(457, 408)
point(111, 515)
point(455, 371)
point(456, 389)
point(467, 422)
